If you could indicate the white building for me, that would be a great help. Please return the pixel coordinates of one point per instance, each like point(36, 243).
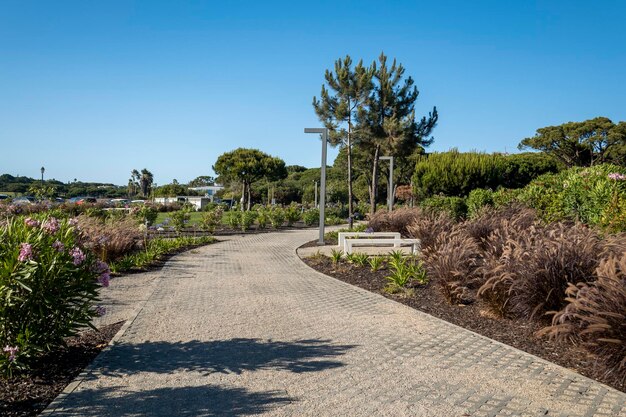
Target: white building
point(199, 202)
point(209, 190)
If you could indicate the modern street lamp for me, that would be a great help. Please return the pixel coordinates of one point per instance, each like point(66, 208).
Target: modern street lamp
point(390, 185)
point(324, 132)
point(42, 171)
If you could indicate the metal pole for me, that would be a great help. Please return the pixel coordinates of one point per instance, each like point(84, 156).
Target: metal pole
point(324, 132)
point(323, 187)
point(391, 184)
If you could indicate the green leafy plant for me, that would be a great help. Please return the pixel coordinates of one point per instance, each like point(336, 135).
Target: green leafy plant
point(293, 213)
point(376, 262)
point(277, 217)
point(311, 217)
point(404, 271)
point(210, 219)
point(49, 284)
point(336, 255)
point(359, 259)
point(262, 217)
point(180, 219)
point(233, 219)
point(247, 219)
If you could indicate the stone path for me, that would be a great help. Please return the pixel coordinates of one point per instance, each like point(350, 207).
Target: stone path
point(243, 327)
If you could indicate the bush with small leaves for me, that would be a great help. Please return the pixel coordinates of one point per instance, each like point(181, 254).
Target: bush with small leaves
point(210, 219)
point(293, 213)
point(311, 217)
point(277, 217)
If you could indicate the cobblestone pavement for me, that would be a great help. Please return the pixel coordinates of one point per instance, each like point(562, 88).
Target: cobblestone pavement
point(243, 327)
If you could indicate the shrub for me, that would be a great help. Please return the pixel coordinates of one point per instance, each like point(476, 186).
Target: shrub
point(455, 206)
point(210, 219)
point(477, 199)
point(48, 286)
point(594, 196)
point(277, 217)
point(180, 219)
point(595, 316)
point(456, 173)
point(529, 275)
point(397, 221)
point(247, 219)
point(452, 262)
point(292, 214)
point(146, 213)
point(262, 217)
point(109, 239)
point(428, 226)
point(233, 219)
point(311, 217)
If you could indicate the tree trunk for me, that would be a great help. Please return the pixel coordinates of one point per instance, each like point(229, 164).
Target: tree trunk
point(374, 185)
point(243, 197)
point(249, 197)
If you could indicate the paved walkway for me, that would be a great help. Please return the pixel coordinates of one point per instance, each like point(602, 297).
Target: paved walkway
point(243, 327)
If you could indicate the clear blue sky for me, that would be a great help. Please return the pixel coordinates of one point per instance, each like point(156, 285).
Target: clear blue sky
point(94, 89)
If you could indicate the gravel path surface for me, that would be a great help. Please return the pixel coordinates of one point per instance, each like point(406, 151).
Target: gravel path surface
point(243, 327)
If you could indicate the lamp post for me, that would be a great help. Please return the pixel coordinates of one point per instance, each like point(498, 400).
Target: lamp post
point(390, 185)
point(42, 171)
point(324, 132)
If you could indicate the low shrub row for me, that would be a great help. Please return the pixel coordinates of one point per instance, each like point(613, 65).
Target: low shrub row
point(565, 274)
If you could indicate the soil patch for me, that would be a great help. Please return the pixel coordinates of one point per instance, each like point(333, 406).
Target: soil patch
point(475, 317)
point(29, 394)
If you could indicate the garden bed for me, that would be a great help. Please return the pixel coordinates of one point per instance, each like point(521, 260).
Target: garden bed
point(28, 395)
point(475, 317)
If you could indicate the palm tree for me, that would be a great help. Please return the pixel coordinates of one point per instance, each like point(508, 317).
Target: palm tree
point(145, 181)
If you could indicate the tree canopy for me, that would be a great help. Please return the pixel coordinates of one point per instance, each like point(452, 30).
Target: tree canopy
point(591, 142)
point(245, 166)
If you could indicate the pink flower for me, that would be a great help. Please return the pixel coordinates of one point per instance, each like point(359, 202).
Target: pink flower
point(78, 255)
point(59, 246)
point(26, 252)
point(31, 222)
point(12, 351)
point(73, 221)
point(616, 176)
point(51, 225)
point(101, 267)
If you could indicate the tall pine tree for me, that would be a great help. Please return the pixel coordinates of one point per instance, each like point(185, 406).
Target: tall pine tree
point(387, 124)
point(348, 90)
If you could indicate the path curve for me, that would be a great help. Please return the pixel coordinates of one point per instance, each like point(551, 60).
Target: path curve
point(243, 327)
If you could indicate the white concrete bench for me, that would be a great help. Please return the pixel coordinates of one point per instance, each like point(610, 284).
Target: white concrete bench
point(396, 242)
point(343, 235)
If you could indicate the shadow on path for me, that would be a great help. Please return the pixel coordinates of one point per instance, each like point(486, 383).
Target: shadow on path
point(184, 401)
point(225, 356)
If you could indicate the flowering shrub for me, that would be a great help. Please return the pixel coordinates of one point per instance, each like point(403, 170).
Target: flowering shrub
point(594, 196)
point(48, 287)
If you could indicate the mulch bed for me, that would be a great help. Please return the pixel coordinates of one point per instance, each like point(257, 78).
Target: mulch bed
point(28, 395)
point(475, 317)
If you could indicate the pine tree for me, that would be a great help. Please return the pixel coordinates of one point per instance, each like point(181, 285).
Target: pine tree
point(387, 124)
point(349, 89)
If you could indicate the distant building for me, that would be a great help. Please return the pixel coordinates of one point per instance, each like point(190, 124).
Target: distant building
point(199, 202)
point(209, 190)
